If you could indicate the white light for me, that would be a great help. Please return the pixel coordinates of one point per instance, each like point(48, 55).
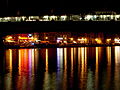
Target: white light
point(58, 41)
point(74, 42)
point(65, 41)
point(117, 40)
point(29, 35)
point(104, 16)
point(38, 40)
point(79, 39)
point(60, 38)
point(117, 16)
point(95, 16)
point(46, 17)
point(88, 17)
point(63, 16)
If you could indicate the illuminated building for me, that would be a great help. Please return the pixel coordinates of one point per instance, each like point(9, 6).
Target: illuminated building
point(65, 38)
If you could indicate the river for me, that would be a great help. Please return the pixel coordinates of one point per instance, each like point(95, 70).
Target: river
point(72, 68)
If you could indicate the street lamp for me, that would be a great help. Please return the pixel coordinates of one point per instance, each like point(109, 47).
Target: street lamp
point(46, 37)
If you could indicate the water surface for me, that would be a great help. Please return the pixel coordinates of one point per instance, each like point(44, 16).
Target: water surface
point(75, 68)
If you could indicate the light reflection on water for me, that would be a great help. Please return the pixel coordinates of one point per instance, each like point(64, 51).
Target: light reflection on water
point(78, 68)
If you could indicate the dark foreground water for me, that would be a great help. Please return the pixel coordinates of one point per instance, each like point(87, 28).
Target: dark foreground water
point(79, 68)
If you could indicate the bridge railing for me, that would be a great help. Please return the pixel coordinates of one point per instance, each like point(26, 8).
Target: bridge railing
point(62, 18)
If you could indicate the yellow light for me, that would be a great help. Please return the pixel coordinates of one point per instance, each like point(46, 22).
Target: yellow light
point(65, 41)
point(108, 40)
point(65, 38)
point(99, 41)
point(26, 37)
point(10, 37)
point(46, 37)
point(82, 38)
point(10, 41)
point(96, 39)
point(79, 39)
point(23, 37)
point(46, 59)
point(35, 38)
point(85, 39)
point(19, 37)
point(71, 39)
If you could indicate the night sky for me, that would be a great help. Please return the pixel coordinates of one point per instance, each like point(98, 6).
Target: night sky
point(38, 7)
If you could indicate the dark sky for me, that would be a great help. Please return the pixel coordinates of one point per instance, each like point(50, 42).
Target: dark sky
point(37, 7)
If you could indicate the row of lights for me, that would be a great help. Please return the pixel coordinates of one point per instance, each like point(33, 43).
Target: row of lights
point(53, 17)
point(79, 40)
point(99, 41)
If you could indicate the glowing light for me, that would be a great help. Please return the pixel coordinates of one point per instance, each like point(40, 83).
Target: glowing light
point(30, 35)
point(59, 58)
point(10, 41)
point(46, 59)
point(10, 37)
point(71, 39)
point(46, 17)
point(104, 16)
point(10, 60)
point(97, 66)
point(36, 39)
point(88, 17)
point(64, 17)
point(109, 55)
point(33, 59)
point(72, 61)
point(117, 55)
point(74, 42)
point(79, 39)
point(117, 16)
point(20, 61)
point(108, 40)
point(96, 39)
point(46, 37)
point(65, 41)
point(65, 58)
point(23, 37)
point(65, 38)
point(60, 38)
point(117, 40)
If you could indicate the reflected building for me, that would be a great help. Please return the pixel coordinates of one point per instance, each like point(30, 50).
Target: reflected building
point(88, 68)
point(117, 69)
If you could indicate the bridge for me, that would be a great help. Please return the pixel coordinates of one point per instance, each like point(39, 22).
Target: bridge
point(71, 17)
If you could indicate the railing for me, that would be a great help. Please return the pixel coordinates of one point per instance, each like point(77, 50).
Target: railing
point(62, 18)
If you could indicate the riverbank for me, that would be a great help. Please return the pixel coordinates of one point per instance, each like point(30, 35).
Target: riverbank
point(58, 46)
